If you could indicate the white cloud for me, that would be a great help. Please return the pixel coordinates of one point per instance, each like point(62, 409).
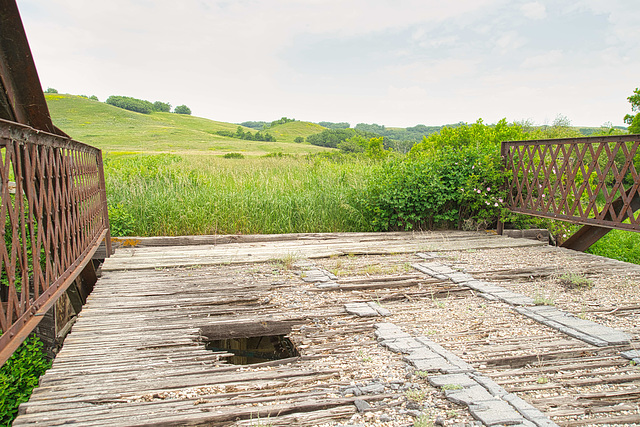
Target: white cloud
point(534, 10)
point(509, 41)
point(543, 60)
point(415, 61)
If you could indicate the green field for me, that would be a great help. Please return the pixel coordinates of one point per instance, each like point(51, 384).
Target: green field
point(114, 129)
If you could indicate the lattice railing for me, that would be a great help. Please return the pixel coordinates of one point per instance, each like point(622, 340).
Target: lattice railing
point(591, 181)
point(53, 217)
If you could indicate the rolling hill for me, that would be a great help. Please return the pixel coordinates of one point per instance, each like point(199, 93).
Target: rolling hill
point(114, 129)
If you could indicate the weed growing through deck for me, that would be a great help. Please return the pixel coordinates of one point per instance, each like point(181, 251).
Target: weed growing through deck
point(575, 281)
point(423, 421)
point(452, 387)
point(288, 260)
point(541, 299)
point(364, 357)
point(542, 380)
point(415, 395)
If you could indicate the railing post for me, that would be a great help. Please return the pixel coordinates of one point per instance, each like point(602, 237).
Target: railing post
point(105, 208)
point(503, 157)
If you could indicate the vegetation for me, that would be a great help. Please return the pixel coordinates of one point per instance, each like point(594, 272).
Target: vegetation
point(114, 129)
point(451, 178)
point(241, 134)
point(161, 107)
point(333, 137)
point(19, 376)
point(292, 131)
point(182, 109)
point(131, 104)
point(254, 125)
point(618, 244)
point(633, 120)
point(170, 194)
point(331, 125)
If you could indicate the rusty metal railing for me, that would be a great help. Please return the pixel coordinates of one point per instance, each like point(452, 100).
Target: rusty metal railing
point(53, 217)
point(591, 181)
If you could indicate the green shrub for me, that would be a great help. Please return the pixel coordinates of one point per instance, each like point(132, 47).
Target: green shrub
point(298, 139)
point(182, 109)
point(131, 104)
point(19, 376)
point(121, 221)
point(448, 178)
point(161, 107)
point(233, 156)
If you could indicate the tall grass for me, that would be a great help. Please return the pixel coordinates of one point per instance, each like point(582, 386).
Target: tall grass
point(186, 195)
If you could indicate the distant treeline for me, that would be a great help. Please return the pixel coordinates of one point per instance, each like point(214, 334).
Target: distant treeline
point(266, 125)
point(241, 134)
point(145, 107)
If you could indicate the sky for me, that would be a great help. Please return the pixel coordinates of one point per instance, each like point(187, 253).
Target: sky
point(396, 63)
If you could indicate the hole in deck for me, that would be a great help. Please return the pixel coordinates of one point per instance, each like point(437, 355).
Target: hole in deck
point(247, 351)
point(250, 342)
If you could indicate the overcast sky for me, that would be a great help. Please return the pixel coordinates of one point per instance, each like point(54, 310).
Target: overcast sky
point(397, 63)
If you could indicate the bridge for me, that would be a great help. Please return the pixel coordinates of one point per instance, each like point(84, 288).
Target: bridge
point(314, 329)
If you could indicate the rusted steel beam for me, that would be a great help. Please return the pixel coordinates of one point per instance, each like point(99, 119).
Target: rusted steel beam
point(23, 101)
point(587, 235)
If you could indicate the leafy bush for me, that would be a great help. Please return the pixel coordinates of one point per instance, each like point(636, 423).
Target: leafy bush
point(131, 104)
point(298, 139)
point(233, 156)
point(450, 177)
point(241, 134)
point(161, 107)
point(182, 109)
point(19, 376)
point(121, 221)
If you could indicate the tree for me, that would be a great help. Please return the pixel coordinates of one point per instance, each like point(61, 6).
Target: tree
point(182, 109)
point(162, 107)
point(634, 119)
point(131, 104)
point(50, 90)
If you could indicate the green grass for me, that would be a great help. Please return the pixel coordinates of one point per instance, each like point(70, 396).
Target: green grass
point(172, 194)
point(114, 129)
point(289, 131)
point(619, 244)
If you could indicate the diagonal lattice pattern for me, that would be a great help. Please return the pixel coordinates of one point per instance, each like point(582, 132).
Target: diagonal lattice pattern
point(591, 181)
point(52, 214)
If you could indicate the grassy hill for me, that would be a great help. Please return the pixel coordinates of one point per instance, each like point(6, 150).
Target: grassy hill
point(291, 130)
point(114, 129)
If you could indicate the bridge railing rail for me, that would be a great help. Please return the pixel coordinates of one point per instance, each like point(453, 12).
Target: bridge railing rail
point(591, 181)
point(53, 218)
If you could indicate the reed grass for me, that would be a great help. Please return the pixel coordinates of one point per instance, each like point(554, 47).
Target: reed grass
point(170, 194)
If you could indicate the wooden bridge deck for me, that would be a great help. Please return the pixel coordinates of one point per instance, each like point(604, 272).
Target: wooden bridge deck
point(136, 354)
